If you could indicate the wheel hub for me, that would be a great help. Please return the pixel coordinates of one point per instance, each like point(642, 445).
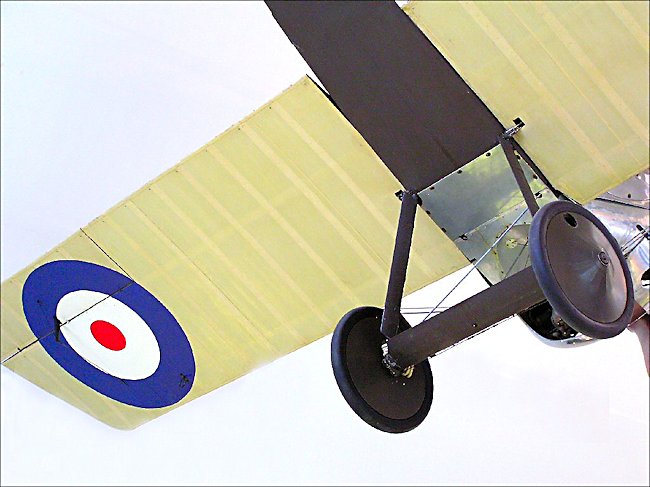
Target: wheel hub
point(603, 257)
point(581, 269)
point(394, 403)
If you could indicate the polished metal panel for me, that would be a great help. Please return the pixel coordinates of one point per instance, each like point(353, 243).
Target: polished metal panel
point(635, 191)
point(628, 220)
point(511, 254)
point(512, 251)
point(476, 193)
point(574, 341)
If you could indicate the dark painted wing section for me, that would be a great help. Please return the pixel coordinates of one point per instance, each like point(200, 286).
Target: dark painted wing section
point(393, 85)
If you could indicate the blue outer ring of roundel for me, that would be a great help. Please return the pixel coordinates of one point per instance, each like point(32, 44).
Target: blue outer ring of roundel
point(173, 378)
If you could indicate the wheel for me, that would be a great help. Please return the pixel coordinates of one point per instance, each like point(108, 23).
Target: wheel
point(390, 404)
point(581, 269)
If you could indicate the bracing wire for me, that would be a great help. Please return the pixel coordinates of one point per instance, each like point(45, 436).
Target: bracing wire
point(475, 264)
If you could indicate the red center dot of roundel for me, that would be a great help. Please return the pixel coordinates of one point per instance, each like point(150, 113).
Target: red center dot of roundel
point(108, 335)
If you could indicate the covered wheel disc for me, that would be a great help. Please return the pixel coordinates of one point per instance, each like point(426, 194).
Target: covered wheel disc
point(390, 404)
point(581, 269)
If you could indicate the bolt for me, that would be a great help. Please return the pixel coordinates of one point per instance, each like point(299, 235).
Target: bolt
point(603, 258)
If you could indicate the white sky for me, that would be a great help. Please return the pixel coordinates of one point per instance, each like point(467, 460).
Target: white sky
point(99, 98)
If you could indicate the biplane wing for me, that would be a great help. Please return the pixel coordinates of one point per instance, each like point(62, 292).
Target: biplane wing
point(256, 244)
point(575, 72)
point(250, 248)
point(574, 77)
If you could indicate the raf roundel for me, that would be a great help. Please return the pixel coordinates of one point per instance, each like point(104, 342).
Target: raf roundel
point(109, 332)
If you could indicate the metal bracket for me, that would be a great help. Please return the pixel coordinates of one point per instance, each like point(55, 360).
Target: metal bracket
point(509, 133)
point(57, 329)
point(389, 362)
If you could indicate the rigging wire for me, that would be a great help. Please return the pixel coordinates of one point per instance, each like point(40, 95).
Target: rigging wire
point(61, 325)
point(634, 241)
point(475, 264)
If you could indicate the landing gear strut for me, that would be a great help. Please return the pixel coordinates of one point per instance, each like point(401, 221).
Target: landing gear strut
point(577, 266)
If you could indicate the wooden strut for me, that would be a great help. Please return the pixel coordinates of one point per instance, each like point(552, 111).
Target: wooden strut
point(518, 172)
point(391, 316)
point(513, 295)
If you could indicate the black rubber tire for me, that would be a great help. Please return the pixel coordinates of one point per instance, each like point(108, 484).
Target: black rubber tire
point(400, 404)
point(563, 303)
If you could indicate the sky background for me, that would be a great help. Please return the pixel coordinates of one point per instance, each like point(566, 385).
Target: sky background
point(99, 98)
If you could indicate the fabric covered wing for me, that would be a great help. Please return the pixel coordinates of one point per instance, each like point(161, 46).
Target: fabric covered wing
point(575, 72)
point(256, 244)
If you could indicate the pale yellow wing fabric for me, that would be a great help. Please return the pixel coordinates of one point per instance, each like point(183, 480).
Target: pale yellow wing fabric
point(575, 72)
point(257, 243)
